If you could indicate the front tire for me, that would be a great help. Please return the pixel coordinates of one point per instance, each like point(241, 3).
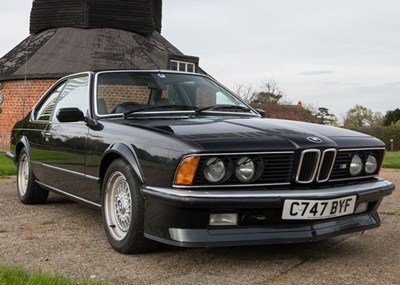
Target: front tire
point(123, 209)
point(29, 192)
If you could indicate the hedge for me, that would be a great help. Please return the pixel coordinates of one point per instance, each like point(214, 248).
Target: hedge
point(385, 134)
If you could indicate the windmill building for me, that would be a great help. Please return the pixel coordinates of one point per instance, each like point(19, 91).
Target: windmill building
point(79, 35)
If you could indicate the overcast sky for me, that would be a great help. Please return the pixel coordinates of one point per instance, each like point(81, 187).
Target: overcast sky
point(330, 53)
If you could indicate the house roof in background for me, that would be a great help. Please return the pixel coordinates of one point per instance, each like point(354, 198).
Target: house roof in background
point(288, 112)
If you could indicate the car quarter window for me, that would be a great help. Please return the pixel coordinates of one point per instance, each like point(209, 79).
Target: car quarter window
point(75, 94)
point(45, 109)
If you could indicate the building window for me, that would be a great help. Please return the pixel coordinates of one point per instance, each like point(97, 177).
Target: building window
point(182, 66)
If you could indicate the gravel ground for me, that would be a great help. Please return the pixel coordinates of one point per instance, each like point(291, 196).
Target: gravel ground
point(67, 238)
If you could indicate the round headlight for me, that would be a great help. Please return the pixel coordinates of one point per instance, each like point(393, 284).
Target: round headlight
point(356, 165)
point(245, 169)
point(214, 170)
point(371, 164)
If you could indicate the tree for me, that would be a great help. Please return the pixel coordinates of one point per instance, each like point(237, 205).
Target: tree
point(392, 118)
point(360, 116)
point(245, 91)
point(269, 93)
point(326, 118)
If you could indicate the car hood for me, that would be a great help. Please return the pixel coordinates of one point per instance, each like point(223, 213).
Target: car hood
point(256, 133)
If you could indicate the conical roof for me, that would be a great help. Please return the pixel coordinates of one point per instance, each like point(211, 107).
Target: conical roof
point(79, 35)
point(54, 53)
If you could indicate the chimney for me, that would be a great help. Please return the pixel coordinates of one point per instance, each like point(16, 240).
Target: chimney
point(300, 105)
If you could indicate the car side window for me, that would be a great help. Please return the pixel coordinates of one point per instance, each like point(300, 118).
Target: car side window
point(44, 110)
point(74, 95)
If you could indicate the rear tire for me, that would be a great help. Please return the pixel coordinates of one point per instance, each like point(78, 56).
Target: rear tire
point(123, 210)
point(29, 192)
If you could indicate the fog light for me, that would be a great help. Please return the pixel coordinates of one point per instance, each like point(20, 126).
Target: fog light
point(363, 207)
point(223, 219)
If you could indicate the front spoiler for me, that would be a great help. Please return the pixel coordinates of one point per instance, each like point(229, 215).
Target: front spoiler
point(269, 235)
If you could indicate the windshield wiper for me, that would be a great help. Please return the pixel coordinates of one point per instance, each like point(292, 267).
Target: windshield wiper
point(222, 107)
point(161, 107)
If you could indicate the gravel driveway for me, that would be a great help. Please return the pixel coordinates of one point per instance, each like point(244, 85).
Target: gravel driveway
point(67, 238)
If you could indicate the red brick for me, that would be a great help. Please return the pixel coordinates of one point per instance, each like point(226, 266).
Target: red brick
point(19, 98)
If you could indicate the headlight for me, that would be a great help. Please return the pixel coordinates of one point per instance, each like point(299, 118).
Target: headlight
point(371, 164)
point(245, 169)
point(214, 170)
point(356, 165)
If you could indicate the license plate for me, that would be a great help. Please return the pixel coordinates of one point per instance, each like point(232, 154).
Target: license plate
point(318, 209)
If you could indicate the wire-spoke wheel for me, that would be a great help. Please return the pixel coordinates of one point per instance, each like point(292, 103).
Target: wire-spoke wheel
point(29, 192)
point(123, 209)
point(118, 206)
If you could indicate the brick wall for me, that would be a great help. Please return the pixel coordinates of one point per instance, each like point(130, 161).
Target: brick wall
point(19, 98)
point(117, 94)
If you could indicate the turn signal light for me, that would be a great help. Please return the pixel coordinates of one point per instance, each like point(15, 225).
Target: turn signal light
point(186, 171)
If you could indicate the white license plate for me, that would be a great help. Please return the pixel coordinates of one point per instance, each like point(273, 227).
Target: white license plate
point(318, 209)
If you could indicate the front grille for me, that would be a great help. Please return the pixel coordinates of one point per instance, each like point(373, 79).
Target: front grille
point(314, 165)
point(340, 170)
point(277, 170)
point(287, 168)
point(326, 165)
point(309, 161)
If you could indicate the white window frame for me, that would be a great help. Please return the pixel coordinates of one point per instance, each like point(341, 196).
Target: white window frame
point(179, 62)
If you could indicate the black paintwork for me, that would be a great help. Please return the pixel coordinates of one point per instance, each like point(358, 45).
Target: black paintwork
point(71, 157)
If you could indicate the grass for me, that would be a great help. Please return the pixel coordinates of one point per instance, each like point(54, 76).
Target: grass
point(7, 167)
point(392, 159)
point(18, 276)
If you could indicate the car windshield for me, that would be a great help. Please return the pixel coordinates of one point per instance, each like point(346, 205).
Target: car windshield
point(135, 93)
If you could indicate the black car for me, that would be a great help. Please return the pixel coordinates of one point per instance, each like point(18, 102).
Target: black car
point(177, 158)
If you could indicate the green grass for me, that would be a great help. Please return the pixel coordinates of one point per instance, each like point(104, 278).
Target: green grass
point(7, 167)
point(18, 276)
point(392, 159)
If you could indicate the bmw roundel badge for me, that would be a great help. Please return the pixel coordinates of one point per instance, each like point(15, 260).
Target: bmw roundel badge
point(315, 139)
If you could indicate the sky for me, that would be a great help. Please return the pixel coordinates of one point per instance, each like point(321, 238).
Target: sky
point(325, 53)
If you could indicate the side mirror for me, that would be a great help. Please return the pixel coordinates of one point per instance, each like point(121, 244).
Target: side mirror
point(68, 115)
point(261, 112)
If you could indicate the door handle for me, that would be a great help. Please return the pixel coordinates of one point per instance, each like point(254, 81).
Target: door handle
point(46, 135)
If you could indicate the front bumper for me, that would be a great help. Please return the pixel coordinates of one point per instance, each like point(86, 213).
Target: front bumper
point(181, 217)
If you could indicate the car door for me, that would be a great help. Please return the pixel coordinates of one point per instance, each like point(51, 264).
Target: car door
point(37, 125)
point(65, 142)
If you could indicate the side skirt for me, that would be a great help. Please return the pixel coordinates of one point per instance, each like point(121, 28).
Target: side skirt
point(69, 196)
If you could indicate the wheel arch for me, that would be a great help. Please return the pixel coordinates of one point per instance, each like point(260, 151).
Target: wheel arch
point(124, 151)
point(22, 143)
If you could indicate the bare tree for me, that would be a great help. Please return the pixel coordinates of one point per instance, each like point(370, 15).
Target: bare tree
point(245, 91)
point(268, 93)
